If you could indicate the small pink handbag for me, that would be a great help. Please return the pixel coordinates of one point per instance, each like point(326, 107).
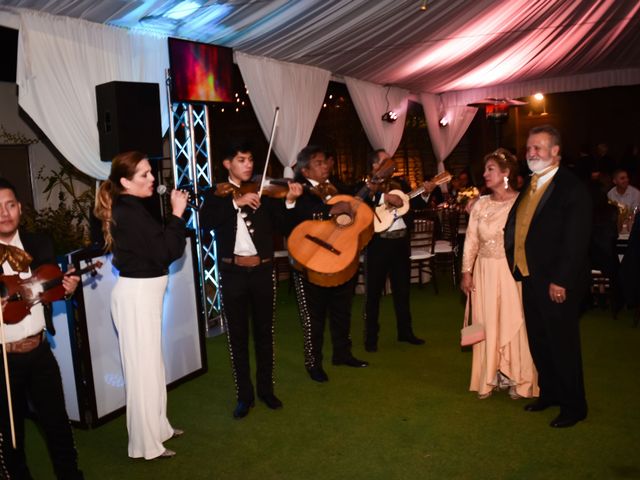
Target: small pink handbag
point(470, 334)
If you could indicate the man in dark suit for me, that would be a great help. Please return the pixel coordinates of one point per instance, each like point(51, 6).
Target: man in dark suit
point(547, 243)
point(315, 301)
point(387, 255)
point(33, 370)
point(244, 226)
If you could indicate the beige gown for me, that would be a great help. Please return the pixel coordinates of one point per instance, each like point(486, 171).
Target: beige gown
point(503, 359)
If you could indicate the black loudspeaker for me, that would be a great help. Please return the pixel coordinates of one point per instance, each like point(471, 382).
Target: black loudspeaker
point(129, 118)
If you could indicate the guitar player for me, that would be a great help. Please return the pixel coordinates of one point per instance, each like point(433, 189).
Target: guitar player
point(314, 301)
point(388, 255)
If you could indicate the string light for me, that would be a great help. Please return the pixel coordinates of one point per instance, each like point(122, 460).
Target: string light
point(423, 7)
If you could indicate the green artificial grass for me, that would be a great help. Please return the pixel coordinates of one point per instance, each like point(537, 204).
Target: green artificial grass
point(408, 415)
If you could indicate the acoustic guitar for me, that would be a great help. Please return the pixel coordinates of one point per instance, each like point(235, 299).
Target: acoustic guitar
point(385, 214)
point(327, 251)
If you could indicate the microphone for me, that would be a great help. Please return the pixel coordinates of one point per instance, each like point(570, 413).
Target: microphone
point(163, 190)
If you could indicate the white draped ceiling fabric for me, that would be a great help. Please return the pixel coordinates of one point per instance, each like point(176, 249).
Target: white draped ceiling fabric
point(297, 89)
point(463, 50)
point(61, 60)
point(371, 102)
point(445, 138)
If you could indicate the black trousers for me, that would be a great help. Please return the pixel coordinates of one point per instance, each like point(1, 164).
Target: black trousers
point(249, 292)
point(554, 340)
point(314, 303)
point(387, 257)
point(35, 380)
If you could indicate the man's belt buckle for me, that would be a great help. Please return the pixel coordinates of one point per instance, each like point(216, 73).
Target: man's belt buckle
point(25, 345)
point(252, 261)
point(394, 234)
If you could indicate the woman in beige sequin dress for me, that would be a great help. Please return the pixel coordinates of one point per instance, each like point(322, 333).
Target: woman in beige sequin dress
point(502, 361)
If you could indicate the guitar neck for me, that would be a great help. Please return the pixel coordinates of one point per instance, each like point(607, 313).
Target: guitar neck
point(439, 179)
point(416, 192)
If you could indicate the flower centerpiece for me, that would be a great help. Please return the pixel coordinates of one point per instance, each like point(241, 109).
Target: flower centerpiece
point(465, 195)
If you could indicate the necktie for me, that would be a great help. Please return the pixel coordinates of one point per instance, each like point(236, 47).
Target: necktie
point(17, 258)
point(533, 186)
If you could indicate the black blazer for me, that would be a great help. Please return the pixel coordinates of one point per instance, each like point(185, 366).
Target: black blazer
point(219, 214)
point(310, 206)
point(557, 244)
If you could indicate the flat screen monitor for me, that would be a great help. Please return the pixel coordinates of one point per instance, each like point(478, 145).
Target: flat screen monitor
point(200, 72)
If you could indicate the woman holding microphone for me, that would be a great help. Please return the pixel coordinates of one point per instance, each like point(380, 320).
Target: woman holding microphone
point(142, 250)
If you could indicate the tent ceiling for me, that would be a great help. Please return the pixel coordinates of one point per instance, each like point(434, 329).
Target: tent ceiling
point(453, 45)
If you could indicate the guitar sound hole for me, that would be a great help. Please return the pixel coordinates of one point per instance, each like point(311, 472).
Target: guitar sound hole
point(343, 220)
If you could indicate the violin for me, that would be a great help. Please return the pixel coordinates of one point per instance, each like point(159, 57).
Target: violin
point(274, 188)
point(271, 189)
point(44, 286)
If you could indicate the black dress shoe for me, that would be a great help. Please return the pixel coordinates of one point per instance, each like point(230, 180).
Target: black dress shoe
point(412, 339)
point(565, 420)
point(242, 409)
point(538, 405)
point(271, 401)
point(351, 362)
point(318, 374)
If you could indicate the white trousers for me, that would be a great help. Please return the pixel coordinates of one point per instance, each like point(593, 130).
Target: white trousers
point(136, 308)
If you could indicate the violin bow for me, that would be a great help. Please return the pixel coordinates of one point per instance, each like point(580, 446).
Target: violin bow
point(7, 382)
point(271, 139)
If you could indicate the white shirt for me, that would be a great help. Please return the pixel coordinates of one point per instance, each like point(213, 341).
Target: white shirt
point(398, 222)
point(546, 177)
point(244, 245)
point(630, 197)
point(32, 323)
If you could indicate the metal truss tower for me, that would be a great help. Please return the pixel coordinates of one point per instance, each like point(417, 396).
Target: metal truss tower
point(192, 170)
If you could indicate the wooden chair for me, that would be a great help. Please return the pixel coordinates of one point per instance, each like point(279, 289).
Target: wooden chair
point(602, 292)
point(422, 254)
point(446, 247)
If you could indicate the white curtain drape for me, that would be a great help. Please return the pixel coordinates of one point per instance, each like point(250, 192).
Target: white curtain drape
point(371, 102)
point(445, 139)
point(61, 60)
point(298, 90)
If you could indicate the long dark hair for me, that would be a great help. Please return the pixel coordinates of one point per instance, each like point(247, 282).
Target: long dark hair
point(123, 166)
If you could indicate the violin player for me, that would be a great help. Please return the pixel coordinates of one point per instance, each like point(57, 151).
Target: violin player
point(244, 224)
point(33, 371)
point(314, 301)
point(388, 255)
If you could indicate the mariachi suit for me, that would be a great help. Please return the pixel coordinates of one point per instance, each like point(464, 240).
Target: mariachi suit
point(556, 250)
point(388, 254)
point(314, 301)
point(35, 379)
point(246, 291)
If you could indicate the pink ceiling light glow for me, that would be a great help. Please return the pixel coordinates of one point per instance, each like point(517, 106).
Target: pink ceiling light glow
point(468, 40)
point(529, 39)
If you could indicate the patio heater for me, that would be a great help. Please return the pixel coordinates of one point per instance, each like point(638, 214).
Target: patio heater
point(497, 111)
